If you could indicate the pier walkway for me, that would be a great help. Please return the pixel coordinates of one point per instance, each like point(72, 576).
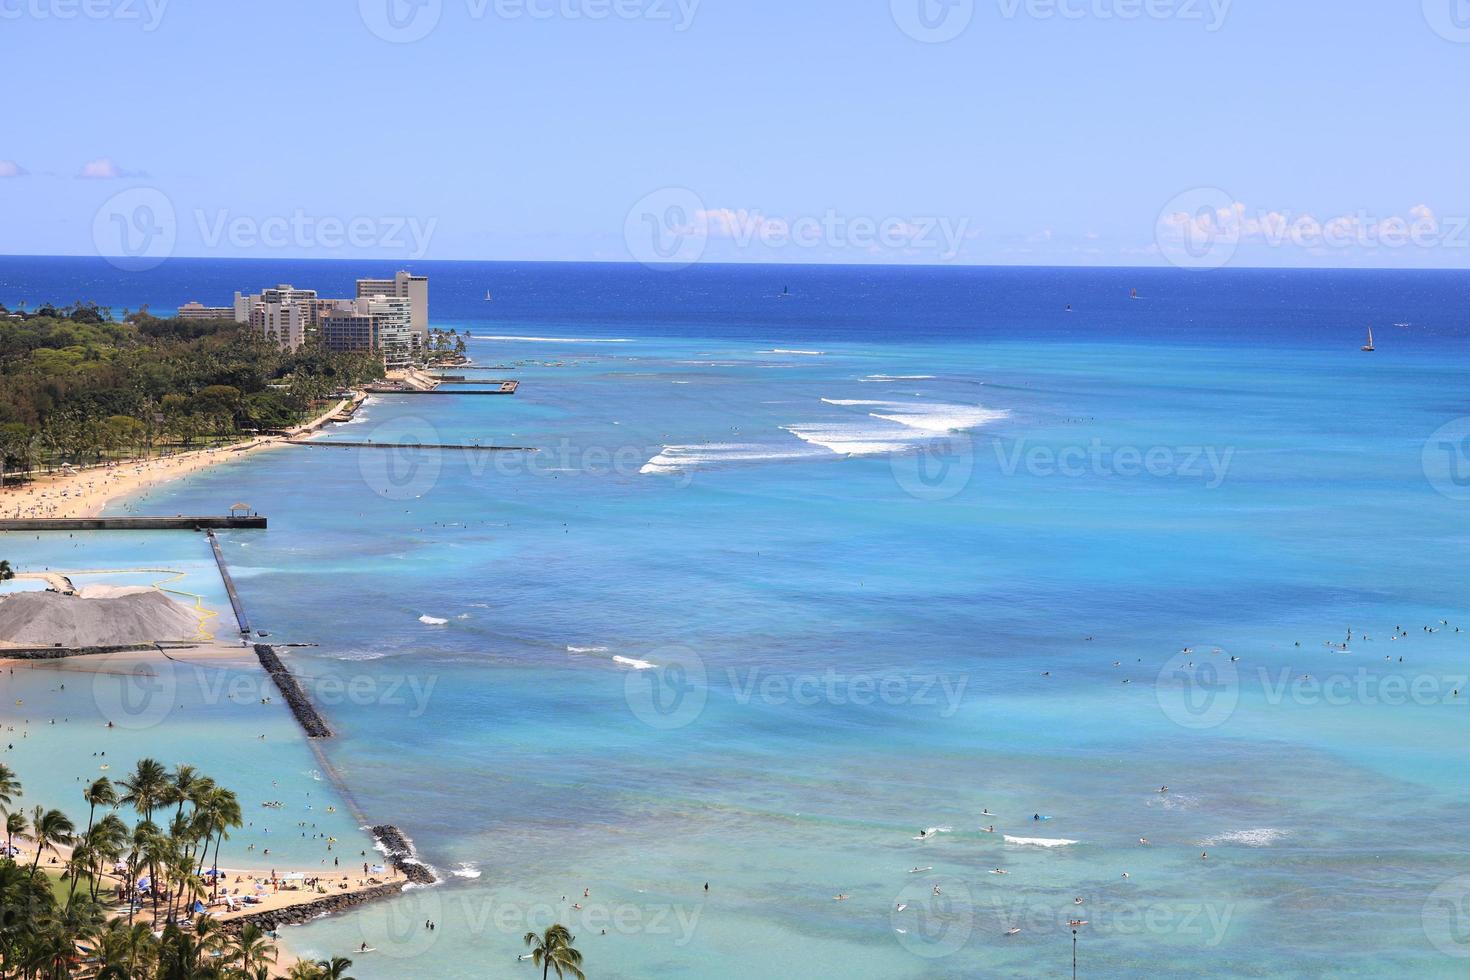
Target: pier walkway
point(224, 573)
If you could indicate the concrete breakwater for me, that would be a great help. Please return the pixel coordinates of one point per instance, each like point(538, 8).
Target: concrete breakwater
point(224, 574)
point(296, 698)
point(400, 851)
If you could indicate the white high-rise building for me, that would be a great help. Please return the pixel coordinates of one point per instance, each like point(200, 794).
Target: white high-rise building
point(413, 288)
point(393, 318)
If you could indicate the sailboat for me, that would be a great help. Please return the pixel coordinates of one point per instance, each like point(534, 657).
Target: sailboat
point(1369, 345)
point(1133, 294)
point(785, 292)
point(488, 297)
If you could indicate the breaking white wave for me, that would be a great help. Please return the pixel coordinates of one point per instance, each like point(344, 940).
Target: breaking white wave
point(788, 350)
point(432, 620)
point(1039, 841)
point(465, 870)
point(635, 664)
point(899, 377)
point(846, 439)
point(673, 459)
point(1261, 837)
point(572, 649)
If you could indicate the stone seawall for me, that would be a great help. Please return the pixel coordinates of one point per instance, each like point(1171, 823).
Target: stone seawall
point(401, 853)
point(326, 905)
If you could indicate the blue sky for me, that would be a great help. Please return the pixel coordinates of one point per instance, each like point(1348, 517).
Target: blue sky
point(1042, 132)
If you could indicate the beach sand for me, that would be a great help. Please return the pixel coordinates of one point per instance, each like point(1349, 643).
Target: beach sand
point(85, 492)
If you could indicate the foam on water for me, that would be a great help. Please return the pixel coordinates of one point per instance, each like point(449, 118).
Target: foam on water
point(1039, 841)
point(1260, 837)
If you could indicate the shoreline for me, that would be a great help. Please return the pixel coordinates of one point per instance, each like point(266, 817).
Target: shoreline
point(86, 492)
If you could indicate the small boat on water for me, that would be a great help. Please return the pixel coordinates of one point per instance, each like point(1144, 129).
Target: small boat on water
point(1133, 294)
point(785, 292)
point(488, 297)
point(1369, 345)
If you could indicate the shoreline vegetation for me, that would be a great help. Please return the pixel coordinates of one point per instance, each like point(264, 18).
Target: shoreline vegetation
point(70, 452)
point(95, 408)
point(150, 899)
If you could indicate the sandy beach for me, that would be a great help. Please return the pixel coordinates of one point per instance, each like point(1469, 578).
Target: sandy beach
point(85, 492)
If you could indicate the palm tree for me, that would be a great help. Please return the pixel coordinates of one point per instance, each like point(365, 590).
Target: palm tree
point(15, 823)
point(144, 790)
point(334, 969)
point(100, 793)
point(49, 828)
point(6, 572)
point(553, 950)
point(9, 784)
point(253, 948)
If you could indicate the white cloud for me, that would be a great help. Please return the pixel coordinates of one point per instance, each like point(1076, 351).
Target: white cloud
point(101, 169)
point(9, 168)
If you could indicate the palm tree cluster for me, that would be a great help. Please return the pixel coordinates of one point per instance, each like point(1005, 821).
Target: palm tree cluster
point(122, 904)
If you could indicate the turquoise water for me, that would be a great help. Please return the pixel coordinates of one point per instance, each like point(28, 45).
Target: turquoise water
point(861, 624)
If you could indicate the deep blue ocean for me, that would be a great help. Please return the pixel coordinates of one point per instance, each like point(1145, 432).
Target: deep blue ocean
point(797, 578)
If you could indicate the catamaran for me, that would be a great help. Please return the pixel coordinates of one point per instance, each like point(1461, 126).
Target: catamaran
point(1369, 345)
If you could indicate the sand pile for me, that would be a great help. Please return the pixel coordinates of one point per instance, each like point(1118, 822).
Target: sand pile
point(100, 616)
